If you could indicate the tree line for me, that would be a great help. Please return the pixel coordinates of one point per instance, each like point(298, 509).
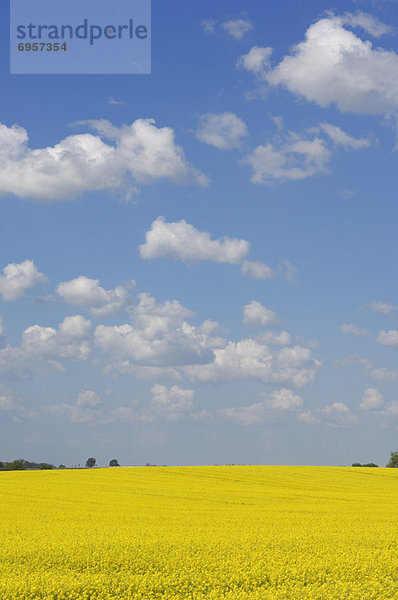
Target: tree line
point(21, 465)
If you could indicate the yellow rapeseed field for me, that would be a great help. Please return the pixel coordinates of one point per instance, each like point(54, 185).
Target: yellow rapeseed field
point(238, 532)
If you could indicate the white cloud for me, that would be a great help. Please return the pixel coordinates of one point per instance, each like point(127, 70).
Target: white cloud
point(388, 338)
point(257, 315)
point(3, 337)
point(334, 66)
point(171, 403)
point(237, 28)
point(273, 405)
point(368, 23)
point(87, 293)
point(87, 408)
point(69, 341)
point(307, 417)
point(371, 399)
point(140, 154)
point(208, 25)
point(297, 158)
point(160, 336)
point(353, 329)
point(250, 359)
point(378, 373)
point(256, 269)
point(336, 415)
point(18, 278)
point(182, 241)
point(7, 403)
point(257, 60)
point(299, 155)
point(224, 131)
point(275, 339)
point(115, 102)
point(341, 138)
point(383, 308)
point(167, 404)
point(287, 270)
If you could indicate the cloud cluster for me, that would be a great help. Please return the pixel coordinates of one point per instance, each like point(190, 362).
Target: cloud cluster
point(235, 28)
point(159, 336)
point(85, 409)
point(271, 406)
point(335, 66)
point(336, 414)
point(182, 241)
point(87, 293)
point(225, 131)
point(299, 155)
point(18, 278)
point(167, 404)
point(70, 341)
point(250, 359)
point(352, 329)
point(257, 315)
point(139, 153)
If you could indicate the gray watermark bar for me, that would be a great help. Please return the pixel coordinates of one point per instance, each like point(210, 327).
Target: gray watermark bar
point(80, 37)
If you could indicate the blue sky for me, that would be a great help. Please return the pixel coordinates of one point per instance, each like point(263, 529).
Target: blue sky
point(199, 265)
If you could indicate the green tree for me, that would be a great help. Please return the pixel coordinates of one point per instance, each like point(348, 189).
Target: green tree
point(91, 462)
point(61, 467)
point(393, 462)
point(114, 463)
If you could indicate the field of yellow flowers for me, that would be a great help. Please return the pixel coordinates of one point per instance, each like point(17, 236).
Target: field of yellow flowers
point(200, 533)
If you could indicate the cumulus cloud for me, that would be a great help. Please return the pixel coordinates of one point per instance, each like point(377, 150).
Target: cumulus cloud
point(256, 269)
point(139, 153)
point(335, 66)
point(378, 373)
point(293, 155)
point(388, 338)
point(182, 241)
point(275, 339)
point(257, 60)
point(167, 404)
point(85, 409)
point(160, 336)
point(336, 414)
point(3, 337)
point(286, 270)
point(69, 341)
point(341, 138)
point(271, 406)
point(17, 278)
point(87, 293)
point(384, 308)
point(208, 25)
point(353, 329)
point(237, 28)
point(371, 399)
point(224, 131)
point(251, 359)
point(257, 315)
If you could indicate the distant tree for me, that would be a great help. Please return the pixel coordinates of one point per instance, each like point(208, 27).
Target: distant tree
point(1, 465)
point(393, 462)
point(357, 464)
point(114, 463)
point(46, 467)
point(15, 465)
point(61, 467)
point(91, 462)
